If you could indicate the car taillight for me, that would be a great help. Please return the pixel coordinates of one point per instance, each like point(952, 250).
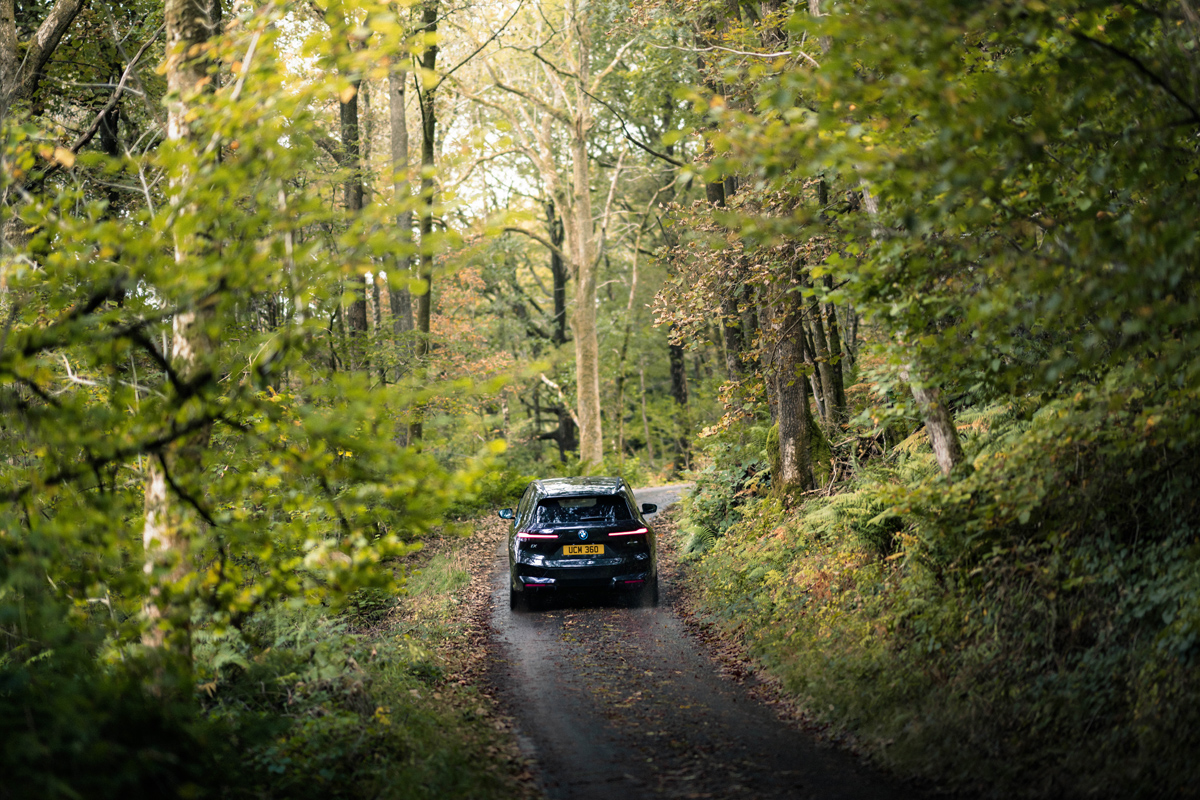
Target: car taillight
point(532, 535)
point(638, 532)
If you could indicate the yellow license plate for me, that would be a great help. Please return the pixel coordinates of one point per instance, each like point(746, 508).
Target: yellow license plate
point(583, 550)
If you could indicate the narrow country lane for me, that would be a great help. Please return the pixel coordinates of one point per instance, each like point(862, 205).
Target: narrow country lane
point(612, 701)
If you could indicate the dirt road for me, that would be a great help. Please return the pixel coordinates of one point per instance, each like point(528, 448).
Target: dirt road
point(612, 701)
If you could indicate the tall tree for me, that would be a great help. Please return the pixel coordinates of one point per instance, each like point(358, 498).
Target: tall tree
point(166, 533)
point(22, 63)
point(939, 422)
point(679, 393)
point(427, 97)
point(795, 472)
point(348, 153)
point(558, 100)
point(399, 298)
point(558, 272)
point(352, 201)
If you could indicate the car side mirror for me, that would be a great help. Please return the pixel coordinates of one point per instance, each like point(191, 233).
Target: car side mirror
point(506, 513)
point(649, 508)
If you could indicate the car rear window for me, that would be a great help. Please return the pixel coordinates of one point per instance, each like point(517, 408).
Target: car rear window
point(582, 510)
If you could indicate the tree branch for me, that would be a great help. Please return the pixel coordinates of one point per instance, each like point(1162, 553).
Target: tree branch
point(752, 54)
point(26, 75)
point(94, 128)
point(1154, 77)
point(187, 498)
point(611, 65)
point(612, 190)
point(562, 398)
point(92, 462)
point(631, 137)
point(557, 113)
point(548, 245)
point(486, 42)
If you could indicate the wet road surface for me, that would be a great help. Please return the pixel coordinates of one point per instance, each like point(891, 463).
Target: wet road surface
point(614, 701)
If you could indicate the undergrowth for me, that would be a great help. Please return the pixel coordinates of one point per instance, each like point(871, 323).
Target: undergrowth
point(299, 702)
point(352, 715)
point(1029, 628)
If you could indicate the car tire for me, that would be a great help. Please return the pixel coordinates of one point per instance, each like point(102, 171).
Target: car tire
point(650, 594)
point(513, 599)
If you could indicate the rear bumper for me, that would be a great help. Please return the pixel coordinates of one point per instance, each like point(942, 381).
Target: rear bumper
point(628, 577)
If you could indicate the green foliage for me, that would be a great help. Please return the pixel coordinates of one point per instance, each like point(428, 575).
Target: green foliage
point(1034, 628)
point(1009, 250)
point(294, 706)
point(370, 606)
point(301, 489)
point(633, 470)
point(869, 518)
point(327, 713)
point(73, 728)
point(1016, 239)
point(495, 488)
point(287, 489)
point(739, 464)
point(734, 468)
point(440, 576)
point(700, 538)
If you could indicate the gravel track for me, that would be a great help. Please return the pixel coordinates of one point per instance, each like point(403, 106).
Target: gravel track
point(611, 700)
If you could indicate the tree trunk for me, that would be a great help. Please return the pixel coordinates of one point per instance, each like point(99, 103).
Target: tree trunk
point(565, 435)
point(795, 473)
point(581, 240)
point(839, 375)
point(679, 391)
point(399, 298)
point(773, 37)
point(429, 15)
point(734, 341)
point(558, 273)
point(715, 193)
point(823, 355)
point(749, 317)
point(376, 299)
point(939, 423)
point(645, 417)
point(621, 377)
point(850, 337)
point(352, 199)
point(767, 359)
point(22, 64)
point(808, 358)
point(21, 68)
point(190, 24)
point(710, 29)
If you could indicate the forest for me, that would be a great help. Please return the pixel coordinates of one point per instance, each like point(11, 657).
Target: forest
point(907, 288)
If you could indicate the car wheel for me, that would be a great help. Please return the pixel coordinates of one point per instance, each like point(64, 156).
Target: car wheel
point(650, 593)
point(513, 600)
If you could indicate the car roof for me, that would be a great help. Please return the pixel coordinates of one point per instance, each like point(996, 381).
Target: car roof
point(557, 487)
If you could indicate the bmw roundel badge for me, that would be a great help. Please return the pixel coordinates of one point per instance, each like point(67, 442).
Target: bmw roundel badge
point(582, 535)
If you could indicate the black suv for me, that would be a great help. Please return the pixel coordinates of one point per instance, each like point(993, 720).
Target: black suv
point(580, 533)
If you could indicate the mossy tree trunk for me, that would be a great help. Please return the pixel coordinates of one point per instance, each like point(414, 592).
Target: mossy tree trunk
point(795, 472)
